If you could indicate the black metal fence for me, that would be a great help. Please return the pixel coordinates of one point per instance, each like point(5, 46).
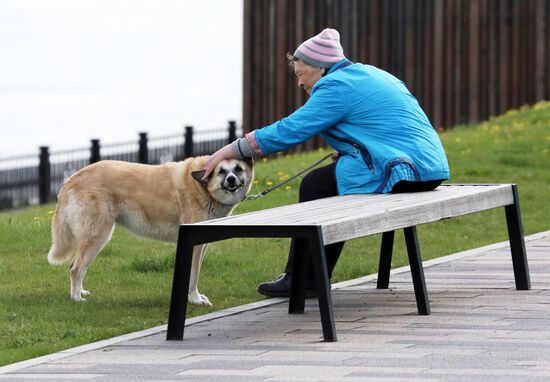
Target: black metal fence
point(36, 179)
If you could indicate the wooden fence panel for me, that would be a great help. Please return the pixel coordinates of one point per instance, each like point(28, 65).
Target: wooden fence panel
point(464, 60)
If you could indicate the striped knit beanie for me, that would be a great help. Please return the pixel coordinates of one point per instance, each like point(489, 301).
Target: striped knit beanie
point(321, 51)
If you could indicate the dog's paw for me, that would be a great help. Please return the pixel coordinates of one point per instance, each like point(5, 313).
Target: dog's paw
point(78, 298)
point(205, 300)
point(79, 295)
point(199, 299)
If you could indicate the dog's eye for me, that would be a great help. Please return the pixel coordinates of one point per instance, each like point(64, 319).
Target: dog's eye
point(238, 169)
point(221, 171)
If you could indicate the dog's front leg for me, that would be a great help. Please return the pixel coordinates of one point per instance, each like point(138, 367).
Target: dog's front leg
point(194, 296)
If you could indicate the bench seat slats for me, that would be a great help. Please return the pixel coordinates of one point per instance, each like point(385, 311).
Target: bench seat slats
point(414, 214)
point(350, 216)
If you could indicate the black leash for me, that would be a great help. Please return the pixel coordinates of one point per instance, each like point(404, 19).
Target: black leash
point(267, 191)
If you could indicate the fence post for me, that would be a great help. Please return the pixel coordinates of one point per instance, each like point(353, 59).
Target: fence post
point(232, 131)
point(143, 153)
point(188, 145)
point(44, 175)
point(95, 155)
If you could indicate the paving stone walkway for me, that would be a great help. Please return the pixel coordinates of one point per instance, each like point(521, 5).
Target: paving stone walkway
point(481, 329)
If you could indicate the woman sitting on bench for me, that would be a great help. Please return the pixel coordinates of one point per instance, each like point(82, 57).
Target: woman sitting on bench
point(384, 140)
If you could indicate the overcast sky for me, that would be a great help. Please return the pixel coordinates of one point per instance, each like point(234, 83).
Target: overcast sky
point(72, 70)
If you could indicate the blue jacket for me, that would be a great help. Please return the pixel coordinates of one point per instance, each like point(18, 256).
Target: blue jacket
point(373, 121)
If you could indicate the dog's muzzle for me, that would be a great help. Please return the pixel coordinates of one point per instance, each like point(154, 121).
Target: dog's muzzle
point(230, 184)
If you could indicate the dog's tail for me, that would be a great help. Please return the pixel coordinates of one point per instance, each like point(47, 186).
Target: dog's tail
point(62, 240)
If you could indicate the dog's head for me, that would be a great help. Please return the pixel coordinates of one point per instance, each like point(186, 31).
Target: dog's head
point(229, 182)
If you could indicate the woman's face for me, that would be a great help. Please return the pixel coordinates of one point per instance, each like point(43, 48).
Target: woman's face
point(307, 75)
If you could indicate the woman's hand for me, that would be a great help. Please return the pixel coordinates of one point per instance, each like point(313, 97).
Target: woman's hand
point(211, 163)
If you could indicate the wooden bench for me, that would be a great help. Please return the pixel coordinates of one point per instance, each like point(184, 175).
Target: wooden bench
point(331, 220)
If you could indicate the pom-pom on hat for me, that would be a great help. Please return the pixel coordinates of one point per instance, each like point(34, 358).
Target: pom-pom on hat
point(323, 50)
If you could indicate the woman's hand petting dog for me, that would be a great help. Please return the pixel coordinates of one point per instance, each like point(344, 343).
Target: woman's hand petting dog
point(212, 162)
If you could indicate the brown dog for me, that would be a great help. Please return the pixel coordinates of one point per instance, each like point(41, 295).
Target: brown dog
point(149, 200)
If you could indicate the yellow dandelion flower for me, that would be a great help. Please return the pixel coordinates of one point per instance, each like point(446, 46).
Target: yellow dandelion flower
point(256, 182)
point(269, 183)
point(288, 188)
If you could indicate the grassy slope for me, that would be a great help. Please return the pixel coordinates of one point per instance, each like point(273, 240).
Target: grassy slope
point(131, 279)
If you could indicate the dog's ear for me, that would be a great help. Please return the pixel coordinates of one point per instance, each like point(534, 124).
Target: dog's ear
point(197, 175)
point(249, 161)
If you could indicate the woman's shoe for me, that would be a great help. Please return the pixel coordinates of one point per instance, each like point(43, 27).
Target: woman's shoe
point(282, 286)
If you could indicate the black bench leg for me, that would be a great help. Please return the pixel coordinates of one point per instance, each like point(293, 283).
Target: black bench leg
point(517, 243)
point(384, 266)
point(313, 248)
point(299, 276)
point(322, 283)
point(417, 271)
point(180, 287)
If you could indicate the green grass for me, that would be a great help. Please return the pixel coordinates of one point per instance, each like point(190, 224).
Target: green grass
point(130, 281)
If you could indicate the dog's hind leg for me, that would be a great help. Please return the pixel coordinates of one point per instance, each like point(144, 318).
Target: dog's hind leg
point(194, 296)
point(87, 249)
